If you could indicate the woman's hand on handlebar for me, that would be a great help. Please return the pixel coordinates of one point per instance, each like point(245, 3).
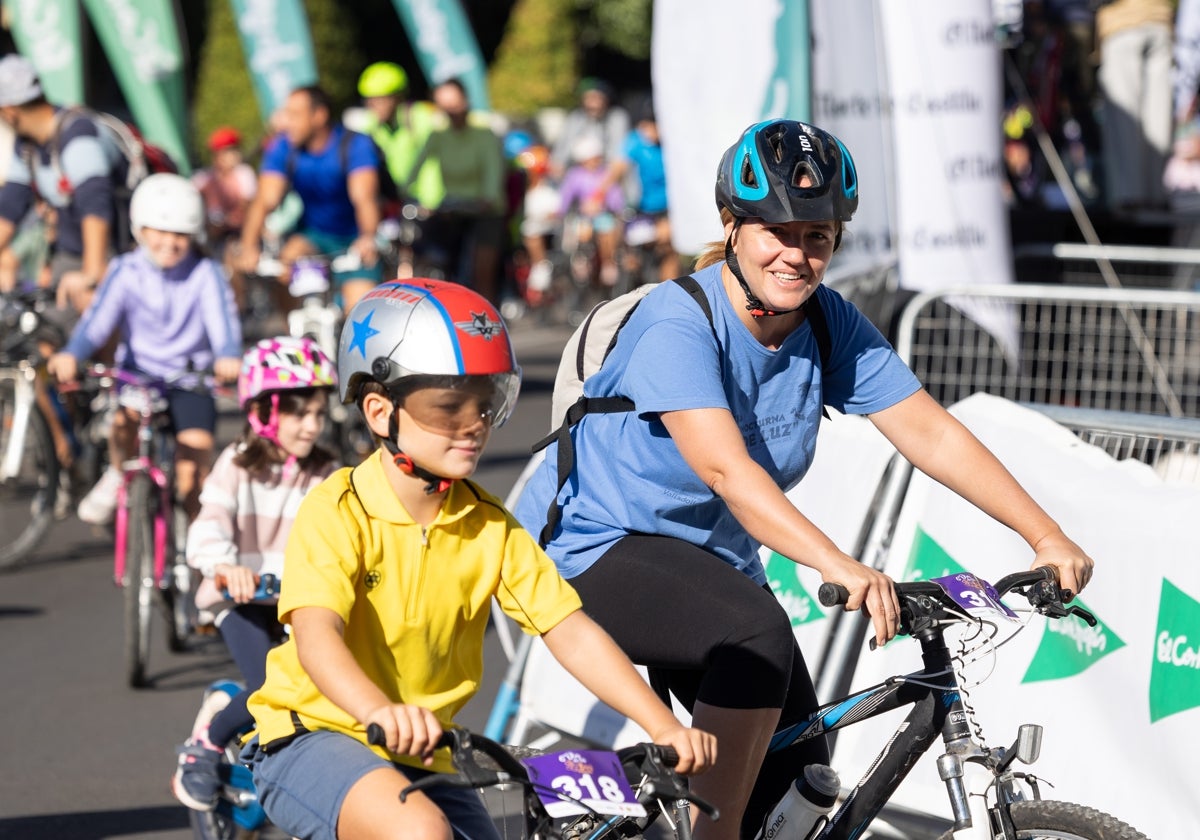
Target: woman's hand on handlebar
point(872, 591)
point(1072, 565)
point(409, 730)
point(696, 748)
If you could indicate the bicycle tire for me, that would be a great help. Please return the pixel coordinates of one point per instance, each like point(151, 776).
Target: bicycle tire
point(217, 825)
point(140, 586)
point(1042, 818)
point(27, 500)
point(177, 603)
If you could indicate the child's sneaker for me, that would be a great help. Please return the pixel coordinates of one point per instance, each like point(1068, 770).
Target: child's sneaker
point(197, 779)
point(100, 504)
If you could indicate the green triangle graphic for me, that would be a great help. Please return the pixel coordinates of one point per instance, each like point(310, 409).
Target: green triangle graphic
point(1175, 673)
point(928, 560)
point(800, 606)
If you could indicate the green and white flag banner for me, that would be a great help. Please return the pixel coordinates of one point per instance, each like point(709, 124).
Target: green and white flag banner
point(445, 45)
point(1120, 701)
point(141, 40)
point(278, 46)
point(47, 33)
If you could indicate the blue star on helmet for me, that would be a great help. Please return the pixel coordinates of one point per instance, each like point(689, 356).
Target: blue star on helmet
point(362, 332)
point(480, 325)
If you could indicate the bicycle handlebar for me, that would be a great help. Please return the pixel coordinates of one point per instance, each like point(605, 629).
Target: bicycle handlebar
point(921, 598)
point(652, 760)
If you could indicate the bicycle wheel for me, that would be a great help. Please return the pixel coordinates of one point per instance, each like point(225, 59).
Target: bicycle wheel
point(1047, 820)
point(27, 499)
point(218, 825)
point(140, 586)
point(177, 594)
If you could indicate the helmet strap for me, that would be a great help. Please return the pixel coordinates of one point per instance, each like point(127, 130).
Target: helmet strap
point(270, 430)
point(754, 306)
point(405, 463)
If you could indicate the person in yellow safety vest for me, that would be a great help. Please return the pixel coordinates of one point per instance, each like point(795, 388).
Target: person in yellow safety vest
point(401, 128)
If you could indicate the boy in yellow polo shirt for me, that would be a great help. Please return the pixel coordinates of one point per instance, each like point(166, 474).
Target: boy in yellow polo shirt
point(390, 569)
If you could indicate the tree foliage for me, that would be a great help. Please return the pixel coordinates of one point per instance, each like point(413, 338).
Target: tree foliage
point(339, 59)
point(537, 61)
point(224, 92)
point(622, 26)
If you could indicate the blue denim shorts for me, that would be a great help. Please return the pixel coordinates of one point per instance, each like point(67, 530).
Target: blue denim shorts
point(302, 786)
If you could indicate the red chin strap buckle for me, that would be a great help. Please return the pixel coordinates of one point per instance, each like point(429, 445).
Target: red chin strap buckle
point(436, 484)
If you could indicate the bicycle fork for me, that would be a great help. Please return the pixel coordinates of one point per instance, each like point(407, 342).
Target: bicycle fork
point(160, 521)
point(974, 818)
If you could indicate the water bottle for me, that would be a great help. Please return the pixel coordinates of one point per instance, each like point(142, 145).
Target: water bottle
point(804, 806)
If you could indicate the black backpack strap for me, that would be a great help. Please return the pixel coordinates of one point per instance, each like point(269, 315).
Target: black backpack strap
point(820, 328)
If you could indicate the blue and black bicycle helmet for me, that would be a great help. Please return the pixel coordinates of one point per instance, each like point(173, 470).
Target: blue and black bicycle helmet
point(761, 174)
point(785, 171)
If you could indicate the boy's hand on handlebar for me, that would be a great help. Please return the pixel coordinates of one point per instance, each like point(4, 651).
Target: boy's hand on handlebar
point(409, 730)
point(871, 591)
point(696, 748)
point(1072, 565)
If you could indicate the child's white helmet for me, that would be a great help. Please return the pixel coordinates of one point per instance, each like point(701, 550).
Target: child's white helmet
point(165, 201)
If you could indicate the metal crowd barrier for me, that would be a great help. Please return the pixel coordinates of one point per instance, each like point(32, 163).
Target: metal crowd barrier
point(1136, 266)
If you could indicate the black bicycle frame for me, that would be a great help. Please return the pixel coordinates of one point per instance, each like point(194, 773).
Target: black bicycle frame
point(936, 709)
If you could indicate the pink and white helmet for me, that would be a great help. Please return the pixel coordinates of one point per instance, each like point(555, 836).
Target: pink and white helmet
point(284, 364)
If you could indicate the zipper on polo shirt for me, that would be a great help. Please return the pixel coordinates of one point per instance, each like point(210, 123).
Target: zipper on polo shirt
point(417, 592)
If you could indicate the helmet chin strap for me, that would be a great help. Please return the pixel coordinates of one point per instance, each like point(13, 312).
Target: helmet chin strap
point(754, 306)
point(434, 483)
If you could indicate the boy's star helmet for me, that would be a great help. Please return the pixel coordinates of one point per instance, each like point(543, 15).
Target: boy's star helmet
point(786, 171)
point(420, 327)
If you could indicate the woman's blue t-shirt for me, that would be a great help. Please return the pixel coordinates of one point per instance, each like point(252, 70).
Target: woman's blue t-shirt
point(629, 476)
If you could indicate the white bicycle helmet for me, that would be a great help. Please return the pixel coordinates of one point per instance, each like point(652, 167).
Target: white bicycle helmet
point(165, 201)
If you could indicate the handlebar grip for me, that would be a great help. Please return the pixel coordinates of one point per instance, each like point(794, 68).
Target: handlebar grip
point(832, 594)
point(668, 755)
point(377, 738)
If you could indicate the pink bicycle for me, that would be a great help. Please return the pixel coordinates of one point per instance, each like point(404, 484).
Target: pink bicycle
point(150, 527)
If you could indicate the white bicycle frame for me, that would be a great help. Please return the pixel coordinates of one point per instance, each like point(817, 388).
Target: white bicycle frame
point(25, 401)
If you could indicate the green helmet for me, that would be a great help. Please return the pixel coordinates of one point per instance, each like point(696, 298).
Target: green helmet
point(383, 78)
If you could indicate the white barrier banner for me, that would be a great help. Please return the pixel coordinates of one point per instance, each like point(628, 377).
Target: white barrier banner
point(1120, 701)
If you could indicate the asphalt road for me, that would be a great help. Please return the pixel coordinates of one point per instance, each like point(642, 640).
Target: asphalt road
point(84, 757)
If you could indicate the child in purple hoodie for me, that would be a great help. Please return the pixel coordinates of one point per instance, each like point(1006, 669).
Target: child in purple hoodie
point(174, 312)
point(586, 191)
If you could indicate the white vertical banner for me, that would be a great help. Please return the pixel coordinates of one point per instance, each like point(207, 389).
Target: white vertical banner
point(703, 103)
point(944, 68)
point(850, 99)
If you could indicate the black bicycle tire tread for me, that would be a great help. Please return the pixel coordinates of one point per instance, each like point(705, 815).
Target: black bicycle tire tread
point(138, 530)
point(1050, 815)
point(15, 551)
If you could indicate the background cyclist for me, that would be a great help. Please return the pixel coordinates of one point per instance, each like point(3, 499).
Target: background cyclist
point(338, 185)
point(174, 312)
point(81, 191)
point(666, 508)
point(401, 128)
point(246, 511)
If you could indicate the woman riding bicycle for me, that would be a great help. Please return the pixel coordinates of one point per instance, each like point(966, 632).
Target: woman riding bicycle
point(246, 512)
point(174, 311)
point(666, 507)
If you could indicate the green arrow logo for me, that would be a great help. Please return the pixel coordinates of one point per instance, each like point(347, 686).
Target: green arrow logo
point(1175, 673)
point(800, 606)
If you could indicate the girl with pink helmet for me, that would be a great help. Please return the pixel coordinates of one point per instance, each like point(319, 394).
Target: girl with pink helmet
point(246, 510)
